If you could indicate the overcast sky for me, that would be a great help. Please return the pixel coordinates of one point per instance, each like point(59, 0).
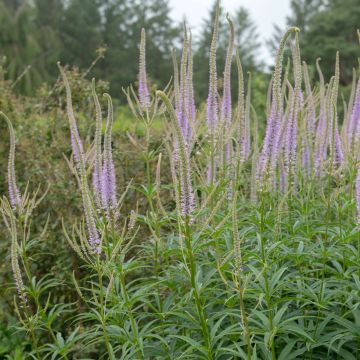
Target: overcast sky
point(265, 13)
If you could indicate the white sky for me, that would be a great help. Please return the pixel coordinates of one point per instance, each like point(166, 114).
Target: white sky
point(265, 13)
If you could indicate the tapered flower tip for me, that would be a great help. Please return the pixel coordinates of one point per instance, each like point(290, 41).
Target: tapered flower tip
point(107, 96)
point(14, 194)
point(160, 94)
point(3, 115)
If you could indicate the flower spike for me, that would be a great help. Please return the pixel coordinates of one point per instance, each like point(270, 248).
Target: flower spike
point(144, 96)
point(14, 193)
point(98, 159)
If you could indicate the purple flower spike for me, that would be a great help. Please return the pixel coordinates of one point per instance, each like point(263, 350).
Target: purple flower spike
point(184, 90)
point(144, 96)
point(76, 142)
point(97, 172)
point(298, 98)
point(186, 198)
point(108, 178)
point(337, 146)
point(90, 215)
point(93, 234)
point(288, 140)
point(108, 184)
point(270, 151)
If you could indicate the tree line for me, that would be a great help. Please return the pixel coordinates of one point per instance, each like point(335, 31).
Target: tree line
point(41, 32)
point(35, 34)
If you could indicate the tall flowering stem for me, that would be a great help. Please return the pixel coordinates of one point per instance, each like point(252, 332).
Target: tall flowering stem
point(183, 110)
point(354, 128)
point(190, 99)
point(184, 89)
point(90, 216)
point(184, 104)
point(329, 109)
point(187, 205)
point(335, 141)
point(321, 130)
point(144, 95)
point(108, 178)
point(176, 79)
point(186, 194)
point(310, 120)
point(212, 99)
point(76, 143)
point(97, 171)
point(14, 193)
point(240, 111)
point(288, 138)
point(270, 150)
point(226, 113)
point(311, 113)
point(306, 141)
point(346, 134)
point(246, 138)
point(292, 131)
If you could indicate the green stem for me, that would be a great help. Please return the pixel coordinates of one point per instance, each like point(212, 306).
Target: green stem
point(130, 313)
point(266, 280)
point(151, 205)
point(103, 312)
point(32, 334)
point(244, 316)
point(327, 220)
point(198, 302)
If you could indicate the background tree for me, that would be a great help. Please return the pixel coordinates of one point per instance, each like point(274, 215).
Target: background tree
point(122, 28)
point(330, 30)
point(80, 32)
point(48, 20)
point(302, 12)
point(326, 26)
point(19, 45)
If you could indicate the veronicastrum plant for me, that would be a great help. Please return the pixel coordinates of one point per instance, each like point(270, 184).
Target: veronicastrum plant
point(256, 255)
